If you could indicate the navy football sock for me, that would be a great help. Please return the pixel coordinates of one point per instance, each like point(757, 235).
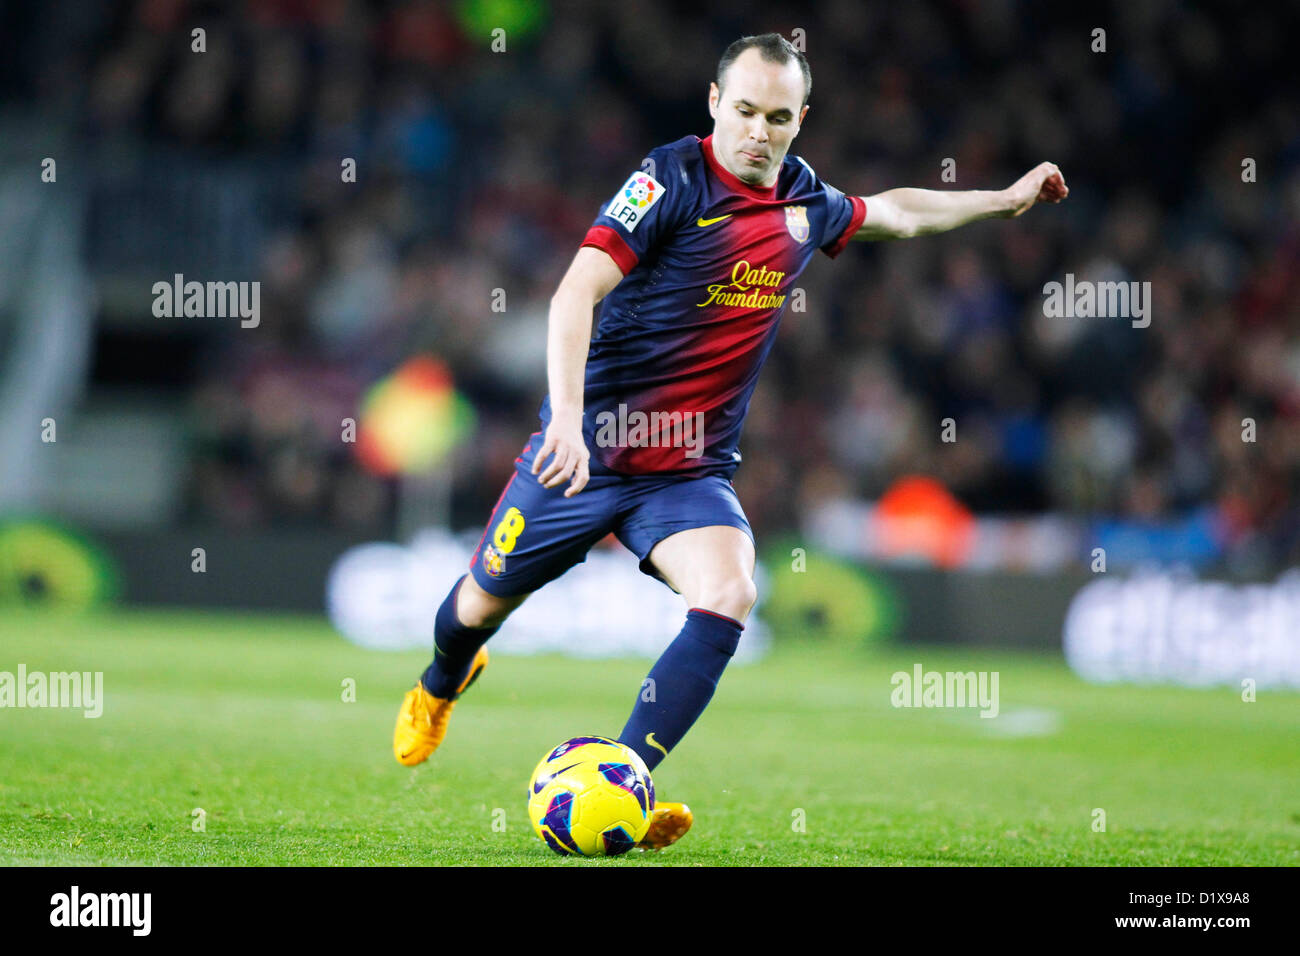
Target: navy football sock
point(681, 684)
point(454, 647)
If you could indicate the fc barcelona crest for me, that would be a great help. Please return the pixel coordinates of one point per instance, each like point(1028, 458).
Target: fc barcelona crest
point(796, 220)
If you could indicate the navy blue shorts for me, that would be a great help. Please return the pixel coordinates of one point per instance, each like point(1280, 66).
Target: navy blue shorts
point(535, 534)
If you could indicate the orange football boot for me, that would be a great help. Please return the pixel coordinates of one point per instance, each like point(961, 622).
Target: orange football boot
point(422, 721)
point(668, 824)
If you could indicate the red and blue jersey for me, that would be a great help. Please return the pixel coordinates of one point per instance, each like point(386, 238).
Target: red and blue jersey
point(709, 263)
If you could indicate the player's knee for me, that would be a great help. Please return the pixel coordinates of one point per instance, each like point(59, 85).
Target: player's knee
point(477, 608)
point(732, 596)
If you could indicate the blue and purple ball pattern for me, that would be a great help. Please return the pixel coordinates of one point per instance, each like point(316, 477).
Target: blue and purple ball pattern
point(577, 742)
point(617, 841)
point(556, 822)
point(625, 777)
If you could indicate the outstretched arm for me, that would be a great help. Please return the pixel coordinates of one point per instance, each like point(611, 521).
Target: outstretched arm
point(903, 213)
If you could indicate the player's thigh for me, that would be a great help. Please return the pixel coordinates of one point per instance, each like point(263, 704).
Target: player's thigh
point(693, 535)
point(712, 567)
point(533, 536)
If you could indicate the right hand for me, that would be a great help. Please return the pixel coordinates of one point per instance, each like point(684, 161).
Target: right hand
point(1043, 183)
point(564, 440)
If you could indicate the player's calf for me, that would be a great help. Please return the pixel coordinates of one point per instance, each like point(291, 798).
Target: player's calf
point(478, 609)
point(458, 658)
point(680, 685)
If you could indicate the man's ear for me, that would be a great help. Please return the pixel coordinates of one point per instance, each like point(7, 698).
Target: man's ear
point(802, 113)
point(715, 95)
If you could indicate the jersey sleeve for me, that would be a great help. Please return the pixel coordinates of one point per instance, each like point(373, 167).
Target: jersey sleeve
point(644, 212)
point(844, 217)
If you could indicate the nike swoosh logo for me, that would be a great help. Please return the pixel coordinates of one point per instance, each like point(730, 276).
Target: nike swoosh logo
point(541, 784)
point(709, 222)
point(650, 739)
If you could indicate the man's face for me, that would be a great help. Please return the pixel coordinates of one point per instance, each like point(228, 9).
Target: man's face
point(756, 115)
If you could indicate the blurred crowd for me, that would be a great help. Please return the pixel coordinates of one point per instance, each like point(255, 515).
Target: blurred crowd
point(480, 170)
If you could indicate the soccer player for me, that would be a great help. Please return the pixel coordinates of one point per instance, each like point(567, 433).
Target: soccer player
point(694, 258)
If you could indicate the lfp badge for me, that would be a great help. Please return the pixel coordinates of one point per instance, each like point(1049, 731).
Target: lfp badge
point(640, 190)
point(796, 220)
point(634, 200)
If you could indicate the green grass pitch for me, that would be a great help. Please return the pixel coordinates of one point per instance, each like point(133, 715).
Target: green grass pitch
point(800, 760)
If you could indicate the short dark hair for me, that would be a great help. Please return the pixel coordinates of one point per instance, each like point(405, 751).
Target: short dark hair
point(774, 49)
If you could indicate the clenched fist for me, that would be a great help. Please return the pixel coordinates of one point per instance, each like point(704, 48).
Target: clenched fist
point(1043, 183)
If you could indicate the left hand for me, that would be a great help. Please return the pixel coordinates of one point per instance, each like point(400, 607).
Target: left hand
point(1043, 183)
